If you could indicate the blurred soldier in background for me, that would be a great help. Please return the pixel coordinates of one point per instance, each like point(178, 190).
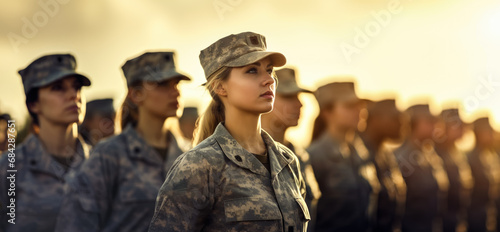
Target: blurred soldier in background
point(484, 164)
point(116, 189)
point(187, 122)
point(383, 122)
point(286, 114)
point(450, 128)
point(45, 160)
point(99, 121)
point(422, 171)
point(345, 193)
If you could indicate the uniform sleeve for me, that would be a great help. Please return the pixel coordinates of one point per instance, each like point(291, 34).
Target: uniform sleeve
point(88, 194)
point(186, 197)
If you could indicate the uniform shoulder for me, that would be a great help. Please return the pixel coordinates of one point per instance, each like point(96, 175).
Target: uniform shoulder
point(206, 151)
point(110, 144)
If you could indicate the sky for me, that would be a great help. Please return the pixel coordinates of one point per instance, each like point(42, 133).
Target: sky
point(443, 52)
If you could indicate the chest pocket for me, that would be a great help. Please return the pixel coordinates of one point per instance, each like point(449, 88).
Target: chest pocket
point(251, 209)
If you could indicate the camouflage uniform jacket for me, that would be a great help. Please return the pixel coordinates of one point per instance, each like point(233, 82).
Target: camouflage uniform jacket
point(39, 185)
point(116, 189)
point(219, 186)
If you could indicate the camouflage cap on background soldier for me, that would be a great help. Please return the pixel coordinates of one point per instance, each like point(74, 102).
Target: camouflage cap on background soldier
point(288, 83)
point(336, 91)
point(420, 111)
point(382, 106)
point(482, 124)
point(100, 106)
point(237, 50)
point(152, 66)
point(48, 69)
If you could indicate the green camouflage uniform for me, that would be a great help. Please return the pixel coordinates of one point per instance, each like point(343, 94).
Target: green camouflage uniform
point(219, 186)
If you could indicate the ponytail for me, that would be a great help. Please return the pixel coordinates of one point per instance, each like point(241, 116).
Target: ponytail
point(215, 113)
point(129, 112)
point(320, 124)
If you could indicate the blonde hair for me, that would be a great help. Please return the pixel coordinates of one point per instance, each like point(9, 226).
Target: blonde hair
point(215, 113)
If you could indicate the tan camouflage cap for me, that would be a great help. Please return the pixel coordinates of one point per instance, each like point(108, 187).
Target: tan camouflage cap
point(237, 51)
point(482, 124)
point(384, 106)
point(420, 111)
point(288, 83)
point(152, 66)
point(336, 92)
point(48, 69)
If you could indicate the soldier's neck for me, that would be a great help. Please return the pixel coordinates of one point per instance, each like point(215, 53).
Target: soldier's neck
point(277, 131)
point(152, 130)
point(58, 140)
point(245, 128)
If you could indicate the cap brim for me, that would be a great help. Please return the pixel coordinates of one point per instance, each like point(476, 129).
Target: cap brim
point(277, 59)
point(164, 76)
point(61, 75)
point(292, 91)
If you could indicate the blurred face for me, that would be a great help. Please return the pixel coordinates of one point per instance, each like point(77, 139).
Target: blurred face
point(160, 99)
point(103, 125)
point(249, 88)
point(344, 114)
point(424, 128)
point(287, 109)
point(455, 131)
point(391, 125)
point(60, 102)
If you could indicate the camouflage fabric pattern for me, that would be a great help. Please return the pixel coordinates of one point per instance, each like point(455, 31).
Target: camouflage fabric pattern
point(152, 66)
point(237, 50)
point(116, 189)
point(288, 83)
point(345, 193)
point(40, 182)
point(219, 186)
point(48, 69)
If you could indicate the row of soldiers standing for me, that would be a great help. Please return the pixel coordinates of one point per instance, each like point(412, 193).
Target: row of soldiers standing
point(355, 182)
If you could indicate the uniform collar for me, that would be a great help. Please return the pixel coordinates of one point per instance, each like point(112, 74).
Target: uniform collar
point(40, 160)
point(278, 157)
point(140, 149)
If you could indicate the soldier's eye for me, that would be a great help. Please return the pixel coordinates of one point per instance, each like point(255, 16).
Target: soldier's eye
point(270, 71)
point(56, 87)
point(252, 70)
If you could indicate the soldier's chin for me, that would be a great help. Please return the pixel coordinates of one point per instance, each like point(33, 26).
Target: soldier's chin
point(266, 108)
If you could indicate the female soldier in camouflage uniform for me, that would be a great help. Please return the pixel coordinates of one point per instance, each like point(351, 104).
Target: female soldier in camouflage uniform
point(116, 188)
point(46, 159)
point(237, 179)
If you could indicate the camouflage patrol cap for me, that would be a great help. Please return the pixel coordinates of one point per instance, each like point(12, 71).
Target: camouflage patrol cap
point(451, 116)
point(152, 66)
point(48, 69)
point(288, 83)
point(100, 106)
point(237, 50)
point(482, 124)
point(385, 106)
point(336, 92)
point(420, 111)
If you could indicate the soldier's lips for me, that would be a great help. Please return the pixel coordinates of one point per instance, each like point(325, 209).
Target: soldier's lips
point(268, 95)
point(73, 108)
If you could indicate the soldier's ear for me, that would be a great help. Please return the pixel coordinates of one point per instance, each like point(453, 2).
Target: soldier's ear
point(220, 89)
point(136, 94)
point(34, 107)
